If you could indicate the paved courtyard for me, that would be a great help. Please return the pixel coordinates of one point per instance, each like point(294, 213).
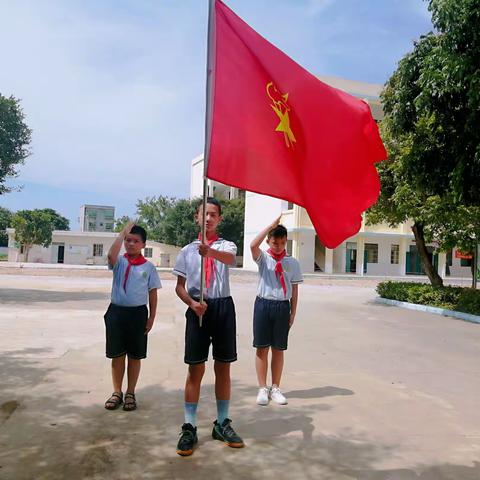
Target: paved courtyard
point(375, 392)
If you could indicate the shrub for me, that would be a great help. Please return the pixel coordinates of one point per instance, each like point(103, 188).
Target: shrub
point(452, 298)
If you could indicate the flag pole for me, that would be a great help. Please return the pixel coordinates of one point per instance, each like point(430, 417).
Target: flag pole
point(208, 112)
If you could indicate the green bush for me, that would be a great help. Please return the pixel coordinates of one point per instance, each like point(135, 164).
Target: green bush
point(452, 298)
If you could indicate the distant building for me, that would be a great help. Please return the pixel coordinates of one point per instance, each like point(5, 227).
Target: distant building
point(214, 188)
point(96, 218)
point(85, 248)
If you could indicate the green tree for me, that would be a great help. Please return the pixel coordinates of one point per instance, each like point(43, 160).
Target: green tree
point(453, 225)
point(58, 221)
point(399, 201)
point(450, 82)
point(232, 225)
point(171, 220)
point(151, 214)
point(15, 138)
point(432, 112)
point(178, 226)
point(5, 222)
point(32, 227)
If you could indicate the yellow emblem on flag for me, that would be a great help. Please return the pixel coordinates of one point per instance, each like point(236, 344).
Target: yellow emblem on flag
point(281, 108)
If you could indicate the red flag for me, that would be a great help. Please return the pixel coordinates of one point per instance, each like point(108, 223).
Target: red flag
point(276, 129)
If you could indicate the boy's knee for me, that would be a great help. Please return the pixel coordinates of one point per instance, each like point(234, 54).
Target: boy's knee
point(134, 361)
point(118, 360)
point(195, 372)
point(222, 367)
point(277, 352)
point(262, 352)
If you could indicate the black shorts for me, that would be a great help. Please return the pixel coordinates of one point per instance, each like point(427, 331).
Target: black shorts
point(271, 320)
point(125, 331)
point(218, 328)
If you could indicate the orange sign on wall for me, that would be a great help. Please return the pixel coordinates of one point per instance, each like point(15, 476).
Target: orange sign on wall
point(464, 256)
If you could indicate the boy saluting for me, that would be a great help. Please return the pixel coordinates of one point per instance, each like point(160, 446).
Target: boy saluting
point(128, 321)
point(275, 307)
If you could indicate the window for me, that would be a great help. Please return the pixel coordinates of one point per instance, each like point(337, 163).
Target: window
point(289, 247)
point(98, 250)
point(395, 254)
point(371, 250)
point(290, 206)
point(465, 262)
point(148, 252)
point(449, 258)
point(109, 226)
point(91, 226)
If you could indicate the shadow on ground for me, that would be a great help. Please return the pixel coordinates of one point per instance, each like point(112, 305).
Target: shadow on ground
point(16, 296)
point(319, 392)
point(47, 436)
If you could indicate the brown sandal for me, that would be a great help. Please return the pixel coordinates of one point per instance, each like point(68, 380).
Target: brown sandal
point(130, 402)
point(114, 401)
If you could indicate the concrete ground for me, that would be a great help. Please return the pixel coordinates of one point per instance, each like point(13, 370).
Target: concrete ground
point(375, 392)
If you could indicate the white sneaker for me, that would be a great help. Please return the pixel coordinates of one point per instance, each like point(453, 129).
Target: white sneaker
point(277, 396)
point(262, 397)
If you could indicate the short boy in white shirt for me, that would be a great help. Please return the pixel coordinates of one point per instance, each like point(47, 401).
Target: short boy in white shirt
point(275, 307)
point(128, 320)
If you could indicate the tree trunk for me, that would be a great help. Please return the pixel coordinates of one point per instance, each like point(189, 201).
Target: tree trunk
point(432, 274)
point(474, 266)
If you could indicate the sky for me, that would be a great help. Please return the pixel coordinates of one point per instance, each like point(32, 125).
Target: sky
point(114, 90)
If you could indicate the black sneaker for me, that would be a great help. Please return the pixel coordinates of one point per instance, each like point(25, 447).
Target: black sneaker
point(188, 438)
point(226, 433)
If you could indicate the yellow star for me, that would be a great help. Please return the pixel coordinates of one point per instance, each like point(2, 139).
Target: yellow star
point(284, 126)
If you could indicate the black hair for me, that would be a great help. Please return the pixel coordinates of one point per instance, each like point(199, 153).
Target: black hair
point(213, 201)
point(138, 230)
point(278, 232)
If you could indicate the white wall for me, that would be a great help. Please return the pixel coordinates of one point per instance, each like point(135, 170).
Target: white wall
point(196, 178)
point(260, 211)
point(456, 270)
point(383, 267)
point(305, 252)
point(37, 254)
point(163, 255)
point(339, 255)
point(79, 249)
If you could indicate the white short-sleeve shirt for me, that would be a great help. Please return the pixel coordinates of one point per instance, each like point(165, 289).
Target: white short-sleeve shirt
point(141, 279)
point(269, 286)
point(187, 265)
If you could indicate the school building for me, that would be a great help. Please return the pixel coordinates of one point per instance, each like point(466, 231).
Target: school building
point(85, 248)
point(378, 250)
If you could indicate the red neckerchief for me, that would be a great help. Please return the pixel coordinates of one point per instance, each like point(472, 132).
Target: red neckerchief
point(140, 260)
point(209, 262)
point(278, 267)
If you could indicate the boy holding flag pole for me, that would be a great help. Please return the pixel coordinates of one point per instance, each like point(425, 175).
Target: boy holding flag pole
point(218, 325)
